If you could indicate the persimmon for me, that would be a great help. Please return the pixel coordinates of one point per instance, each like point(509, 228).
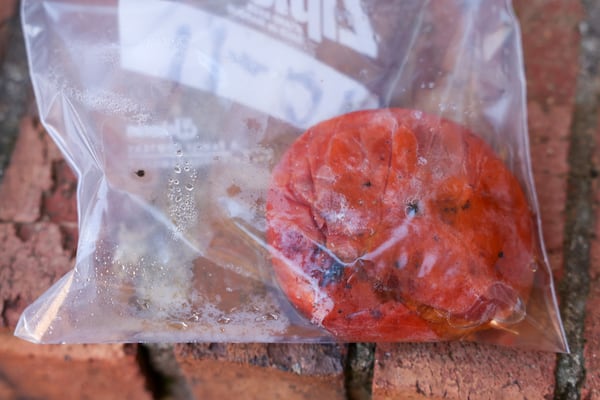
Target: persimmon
point(395, 225)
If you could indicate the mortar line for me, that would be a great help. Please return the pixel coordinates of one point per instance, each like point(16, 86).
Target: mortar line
point(579, 222)
point(358, 371)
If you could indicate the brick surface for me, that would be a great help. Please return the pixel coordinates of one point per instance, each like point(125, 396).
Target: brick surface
point(551, 49)
point(263, 371)
point(57, 372)
point(460, 371)
point(32, 258)
point(27, 176)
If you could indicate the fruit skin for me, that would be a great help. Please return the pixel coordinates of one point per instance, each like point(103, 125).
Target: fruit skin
point(394, 225)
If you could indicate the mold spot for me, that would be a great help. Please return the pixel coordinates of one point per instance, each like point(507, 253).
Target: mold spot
point(333, 274)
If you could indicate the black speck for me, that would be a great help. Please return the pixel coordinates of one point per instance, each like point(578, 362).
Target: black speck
point(367, 184)
point(594, 173)
point(467, 205)
point(436, 238)
point(333, 274)
point(412, 208)
point(500, 254)
point(340, 311)
point(140, 173)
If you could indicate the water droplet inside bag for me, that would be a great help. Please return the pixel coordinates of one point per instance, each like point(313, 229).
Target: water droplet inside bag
point(179, 153)
point(180, 325)
point(177, 169)
point(270, 316)
point(224, 320)
point(189, 187)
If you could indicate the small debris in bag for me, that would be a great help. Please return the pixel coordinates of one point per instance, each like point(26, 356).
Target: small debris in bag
point(401, 222)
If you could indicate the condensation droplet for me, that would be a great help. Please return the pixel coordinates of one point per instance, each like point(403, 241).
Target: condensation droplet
point(179, 153)
point(270, 316)
point(223, 320)
point(177, 169)
point(175, 181)
point(189, 187)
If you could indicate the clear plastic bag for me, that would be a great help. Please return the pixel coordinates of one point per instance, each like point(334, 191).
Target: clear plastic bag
point(179, 119)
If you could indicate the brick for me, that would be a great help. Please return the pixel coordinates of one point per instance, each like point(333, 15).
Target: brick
point(460, 371)
point(54, 372)
point(32, 258)
point(263, 371)
point(551, 48)
point(27, 176)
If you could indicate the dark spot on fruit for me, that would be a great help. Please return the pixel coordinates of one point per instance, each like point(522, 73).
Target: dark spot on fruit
point(140, 173)
point(333, 274)
point(412, 208)
point(367, 184)
point(500, 254)
point(467, 205)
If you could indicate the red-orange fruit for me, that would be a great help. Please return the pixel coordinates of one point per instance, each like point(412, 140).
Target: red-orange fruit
point(394, 225)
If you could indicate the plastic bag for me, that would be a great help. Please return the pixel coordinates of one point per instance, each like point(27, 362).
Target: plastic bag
point(184, 122)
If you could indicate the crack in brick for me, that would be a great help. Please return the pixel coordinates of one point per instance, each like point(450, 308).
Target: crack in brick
point(579, 224)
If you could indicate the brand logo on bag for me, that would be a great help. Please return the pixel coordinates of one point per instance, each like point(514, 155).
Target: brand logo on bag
point(348, 25)
point(173, 140)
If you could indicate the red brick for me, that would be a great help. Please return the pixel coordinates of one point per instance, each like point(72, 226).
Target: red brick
point(31, 260)
point(551, 49)
point(460, 371)
point(263, 371)
point(54, 372)
point(27, 176)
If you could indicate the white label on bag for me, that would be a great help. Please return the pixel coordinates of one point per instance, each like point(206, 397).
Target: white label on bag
point(347, 25)
point(209, 52)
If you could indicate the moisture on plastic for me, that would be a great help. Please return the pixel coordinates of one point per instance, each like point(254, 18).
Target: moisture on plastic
point(183, 122)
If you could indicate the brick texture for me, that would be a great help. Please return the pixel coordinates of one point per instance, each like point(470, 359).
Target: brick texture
point(57, 372)
point(263, 371)
point(460, 371)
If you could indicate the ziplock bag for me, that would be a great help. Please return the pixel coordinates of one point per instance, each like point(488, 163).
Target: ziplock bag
point(406, 212)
